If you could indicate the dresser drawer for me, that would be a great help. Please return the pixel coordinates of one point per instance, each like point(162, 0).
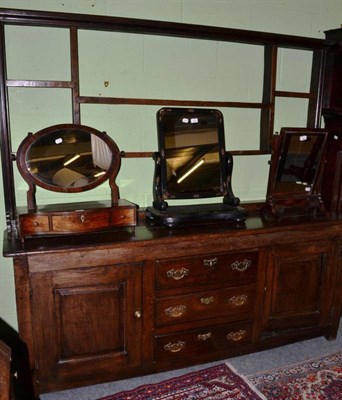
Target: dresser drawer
point(205, 341)
point(234, 303)
point(67, 219)
point(80, 221)
point(123, 216)
point(34, 224)
point(202, 270)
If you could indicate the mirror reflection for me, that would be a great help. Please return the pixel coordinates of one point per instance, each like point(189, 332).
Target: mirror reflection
point(68, 158)
point(299, 162)
point(191, 145)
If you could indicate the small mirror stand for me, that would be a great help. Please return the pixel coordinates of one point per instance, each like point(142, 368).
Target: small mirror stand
point(71, 158)
point(192, 163)
point(68, 158)
point(295, 179)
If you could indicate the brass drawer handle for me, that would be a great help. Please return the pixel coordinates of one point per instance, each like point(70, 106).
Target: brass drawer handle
point(236, 336)
point(175, 312)
point(210, 263)
point(238, 301)
point(82, 218)
point(177, 274)
point(174, 347)
point(203, 337)
point(241, 265)
point(207, 300)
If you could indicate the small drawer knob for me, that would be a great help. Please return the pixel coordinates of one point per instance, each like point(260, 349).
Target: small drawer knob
point(137, 314)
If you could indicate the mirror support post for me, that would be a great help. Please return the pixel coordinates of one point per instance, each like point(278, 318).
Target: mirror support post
point(229, 197)
point(31, 198)
point(158, 202)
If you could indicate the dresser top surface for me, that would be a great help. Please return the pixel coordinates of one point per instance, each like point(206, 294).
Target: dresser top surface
point(256, 224)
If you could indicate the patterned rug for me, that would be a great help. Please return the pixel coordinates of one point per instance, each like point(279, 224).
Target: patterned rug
point(317, 379)
point(220, 382)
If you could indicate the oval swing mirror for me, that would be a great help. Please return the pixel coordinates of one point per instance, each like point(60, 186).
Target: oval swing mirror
point(68, 158)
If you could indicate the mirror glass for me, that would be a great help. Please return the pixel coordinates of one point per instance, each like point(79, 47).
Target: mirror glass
point(66, 158)
point(190, 143)
point(299, 162)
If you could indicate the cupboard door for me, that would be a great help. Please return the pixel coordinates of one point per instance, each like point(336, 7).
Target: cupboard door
point(86, 324)
point(297, 291)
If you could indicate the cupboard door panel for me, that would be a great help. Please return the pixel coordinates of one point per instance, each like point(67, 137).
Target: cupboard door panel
point(87, 318)
point(89, 329)
point(289, 294)
point(297, 292)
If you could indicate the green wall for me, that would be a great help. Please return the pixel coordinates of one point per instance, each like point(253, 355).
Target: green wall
point(157, 67)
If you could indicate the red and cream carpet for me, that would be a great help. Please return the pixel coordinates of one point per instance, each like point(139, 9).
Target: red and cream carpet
point(316, 379)
point(215, 383)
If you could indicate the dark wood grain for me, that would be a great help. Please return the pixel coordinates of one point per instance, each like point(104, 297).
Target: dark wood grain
point(5, 371)
point(127, 302)
point(74, 22)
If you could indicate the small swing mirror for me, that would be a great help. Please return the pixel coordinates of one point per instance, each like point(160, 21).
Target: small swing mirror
point(297, 163)
point(68, 158)
point(192, 163)
point(71, 158)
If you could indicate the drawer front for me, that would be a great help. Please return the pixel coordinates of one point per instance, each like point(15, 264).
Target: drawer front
point(202, 270)
point(124, 217)
point(80, 221)
point(209, 340)
point(234, 303)
point(34, 224)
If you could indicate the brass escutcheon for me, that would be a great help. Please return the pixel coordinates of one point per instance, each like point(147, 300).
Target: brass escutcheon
point(241, 265)
point(236, 336)
point(204, 336)
point(177, 274)
point(176, 311)
point(238, 301)
point(210, 263)
point(174, 347)
point(207, 300)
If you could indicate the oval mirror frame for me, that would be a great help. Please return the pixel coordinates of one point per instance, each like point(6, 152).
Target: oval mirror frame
point(55, 135)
